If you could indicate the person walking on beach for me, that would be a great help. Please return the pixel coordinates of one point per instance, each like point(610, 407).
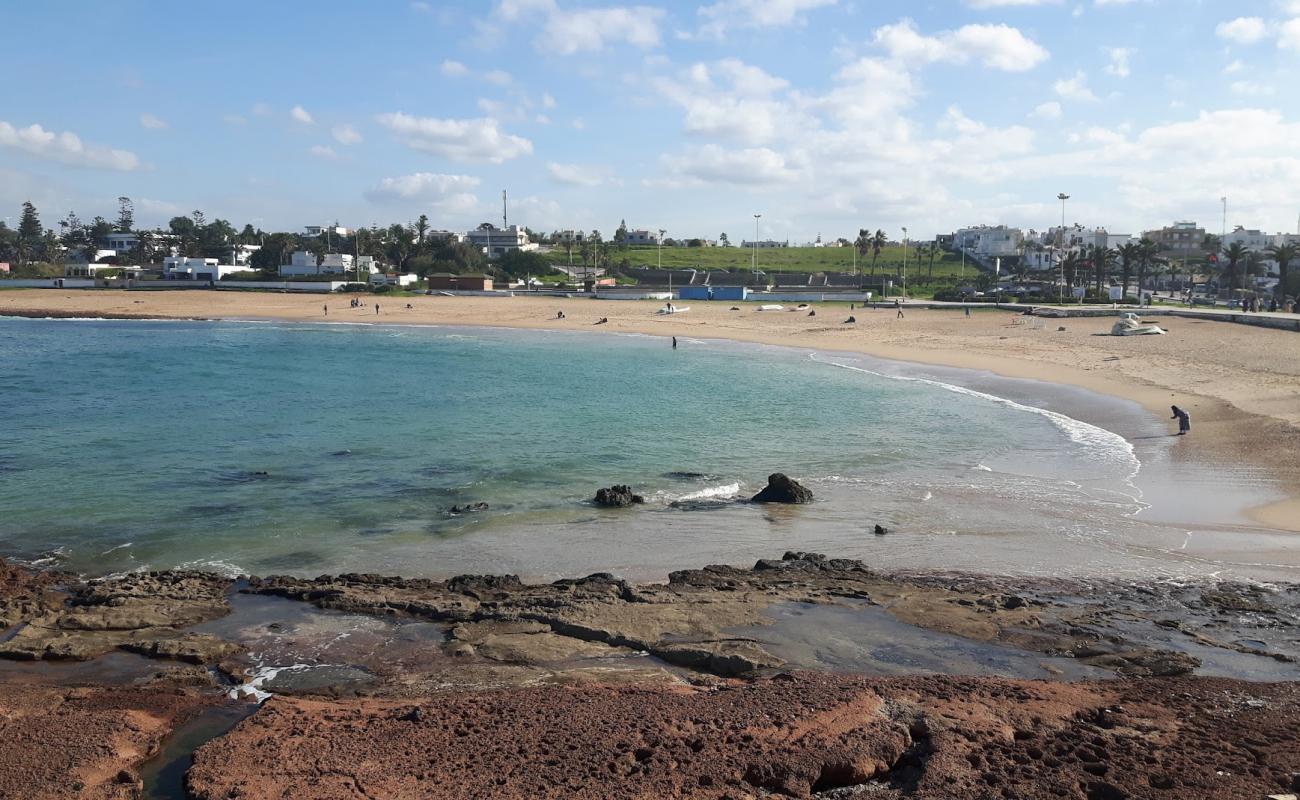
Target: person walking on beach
point(1184, 420)
point(674, 342)
point(898, 305)
point(967, 309)
point(327, 309)
point(376, 309)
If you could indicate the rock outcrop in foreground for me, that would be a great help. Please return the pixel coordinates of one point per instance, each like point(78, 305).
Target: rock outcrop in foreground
point(792, 735)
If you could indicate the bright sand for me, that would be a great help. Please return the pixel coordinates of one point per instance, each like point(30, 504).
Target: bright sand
point(1241, 384)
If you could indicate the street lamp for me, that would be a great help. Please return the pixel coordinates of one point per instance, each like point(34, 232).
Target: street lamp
point(1060, 250)
point(753, 264)
point(660, 245)
point(904, 262)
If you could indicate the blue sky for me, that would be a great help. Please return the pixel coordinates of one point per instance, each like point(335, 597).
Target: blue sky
point(823, 115)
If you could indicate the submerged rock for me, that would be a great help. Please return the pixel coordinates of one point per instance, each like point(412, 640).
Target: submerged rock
point(468, 508)
point(783, 489)
point(617, 496)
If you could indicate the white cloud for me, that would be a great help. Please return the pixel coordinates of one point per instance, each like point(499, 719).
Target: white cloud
point(1242, 30)
point(300, 114)
point(345, 134)
point(1075, 88)
point(1049, 110)
point(324, 151)
point(152, 123)
point(1250, 89)
point(730, 99)
point(726, 14)
point(1288, 35)
point(1119, 56)
point(711, 164)
point(984, 4)
point(498, 77)
point(995, 46)
point(457, 139)
point(66, 148)
point(1234, 67)
point(548, 102)
point(234, 119)
point(592, 29)
point(453, 69)
point(444, 192)
point(263, 109)
point(577, 174)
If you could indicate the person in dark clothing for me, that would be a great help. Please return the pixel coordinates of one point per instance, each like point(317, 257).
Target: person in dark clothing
point(1184, 420)
point(327, 309)
point(898, 304)
point(674, 342)
point(376, 309)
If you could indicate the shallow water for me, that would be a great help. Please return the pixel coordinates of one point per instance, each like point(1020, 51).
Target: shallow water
point(305, 449)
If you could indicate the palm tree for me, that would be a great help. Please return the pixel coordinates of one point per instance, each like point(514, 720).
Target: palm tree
point(1283, 254)
point(863, 243)
point(1070, 269)
point(932, 248)
point(1235, 253)
point(1148, 255)
point(1103, 259)
point(1128, 257)
point(878, 241)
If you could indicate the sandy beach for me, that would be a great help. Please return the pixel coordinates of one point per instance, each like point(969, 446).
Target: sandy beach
point(1241, 384)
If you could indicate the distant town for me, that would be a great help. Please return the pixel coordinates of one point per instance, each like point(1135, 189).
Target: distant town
point(1069, 262)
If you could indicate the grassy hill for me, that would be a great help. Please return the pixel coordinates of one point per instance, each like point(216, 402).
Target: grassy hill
point(781, 259)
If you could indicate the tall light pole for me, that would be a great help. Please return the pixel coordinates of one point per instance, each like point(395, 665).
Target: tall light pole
point(660, 244)
point(905, 262)
point(1060, 251)
point(753, 264)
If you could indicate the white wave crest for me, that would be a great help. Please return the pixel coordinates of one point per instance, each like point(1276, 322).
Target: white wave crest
point(216, 566)
point(725, 490)
point(1094, 439)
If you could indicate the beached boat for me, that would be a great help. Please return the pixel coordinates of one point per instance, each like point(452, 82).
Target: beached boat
point(1130, 325)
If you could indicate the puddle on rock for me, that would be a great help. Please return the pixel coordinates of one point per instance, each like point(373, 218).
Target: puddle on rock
point(865, 639)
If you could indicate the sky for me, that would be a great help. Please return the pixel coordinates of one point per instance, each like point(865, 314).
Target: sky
point(823, 116)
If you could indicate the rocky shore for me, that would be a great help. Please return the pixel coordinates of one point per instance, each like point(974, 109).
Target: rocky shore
point(486, 686)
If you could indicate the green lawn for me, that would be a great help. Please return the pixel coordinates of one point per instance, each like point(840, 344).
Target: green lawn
point(782, 259)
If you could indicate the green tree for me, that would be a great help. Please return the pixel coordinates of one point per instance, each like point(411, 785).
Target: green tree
point(1148, 255)
point(1103, 260)
point(1283, 254)
point(521, 263)
point(186, 233)
point(878, 242)
point(1070, 270)
point(29, 233)
point(421, 229)
point(1235, 255)
point(1129, 254)
point(620, 235)
point(723, 241)
point(125, 215)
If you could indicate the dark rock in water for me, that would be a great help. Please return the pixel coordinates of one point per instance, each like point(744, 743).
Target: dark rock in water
point(781, 489)
point(799, 555)
point(881, 530)
point(341, 453)
point(618, 496)
point(468, 508)
point(686, 476)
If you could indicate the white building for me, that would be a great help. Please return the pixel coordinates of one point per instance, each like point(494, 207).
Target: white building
point(393, 278)
point(122, 242)
point(496, 242)
point(302, 262)
point(990, 241)
point(445, 236)
point(1250, 239)
point(764, 244)
point(241, 254)
point(321, 230)
point(643, 237)
point(336, 262)
point(183, 268)
point(83, 270)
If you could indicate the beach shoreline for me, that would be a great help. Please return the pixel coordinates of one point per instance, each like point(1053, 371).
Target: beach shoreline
point(1239, 396)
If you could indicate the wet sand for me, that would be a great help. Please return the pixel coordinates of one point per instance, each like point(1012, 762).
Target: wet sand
point(1241, 384)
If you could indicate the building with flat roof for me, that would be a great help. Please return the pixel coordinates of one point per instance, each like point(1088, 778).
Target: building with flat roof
point(496, 242)
point(1178, 240)
point(446, 282)
point(642, 237)
point(185, 268)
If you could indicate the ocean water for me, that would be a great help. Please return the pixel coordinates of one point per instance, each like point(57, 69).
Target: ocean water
point(305, 449)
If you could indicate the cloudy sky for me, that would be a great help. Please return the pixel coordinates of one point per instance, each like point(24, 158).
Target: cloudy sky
point(823, 115)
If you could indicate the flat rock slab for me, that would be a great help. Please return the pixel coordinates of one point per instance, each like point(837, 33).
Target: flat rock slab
point(791, 735)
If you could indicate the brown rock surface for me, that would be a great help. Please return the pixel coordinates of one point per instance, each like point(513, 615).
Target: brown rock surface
point(83, 743)
point(141, 612)
point(793, 735)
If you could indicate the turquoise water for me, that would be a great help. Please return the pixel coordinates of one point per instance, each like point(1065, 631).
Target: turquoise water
point(290, 448)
